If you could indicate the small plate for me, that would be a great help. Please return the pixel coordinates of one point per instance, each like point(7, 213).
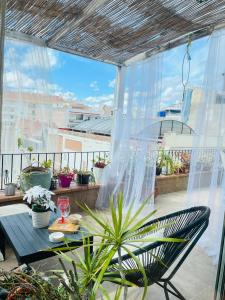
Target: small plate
point(56, 237)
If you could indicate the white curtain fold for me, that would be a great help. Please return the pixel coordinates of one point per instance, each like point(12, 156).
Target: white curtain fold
point(27, 97)
point(134, 139)
point(207, 180)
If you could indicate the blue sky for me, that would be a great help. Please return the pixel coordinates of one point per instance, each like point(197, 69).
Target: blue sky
point(83, 77)
point(172, 89)
point(90, 81)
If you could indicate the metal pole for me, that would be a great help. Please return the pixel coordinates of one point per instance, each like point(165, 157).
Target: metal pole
point(2, 43)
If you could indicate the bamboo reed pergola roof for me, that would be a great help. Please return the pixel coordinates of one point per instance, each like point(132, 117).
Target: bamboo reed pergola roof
point(113, 30)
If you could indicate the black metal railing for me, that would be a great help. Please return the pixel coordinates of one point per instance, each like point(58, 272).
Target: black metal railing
point(12, 164)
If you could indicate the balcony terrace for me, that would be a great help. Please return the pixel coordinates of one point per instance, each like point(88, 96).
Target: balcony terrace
point(199, 286)
point(184, 244)
point(170, 196)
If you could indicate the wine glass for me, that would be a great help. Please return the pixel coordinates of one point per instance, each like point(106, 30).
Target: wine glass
point(63, 204)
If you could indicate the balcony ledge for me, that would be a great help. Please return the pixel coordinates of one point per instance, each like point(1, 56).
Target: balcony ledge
point(72, 192)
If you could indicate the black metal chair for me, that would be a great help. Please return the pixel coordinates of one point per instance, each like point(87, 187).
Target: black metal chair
point(157, 258)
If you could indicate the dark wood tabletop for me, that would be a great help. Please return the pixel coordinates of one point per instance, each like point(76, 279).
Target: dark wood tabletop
point(27, 242)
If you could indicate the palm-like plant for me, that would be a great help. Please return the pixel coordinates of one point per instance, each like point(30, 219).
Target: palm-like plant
point(124, 230)
point(84, 279)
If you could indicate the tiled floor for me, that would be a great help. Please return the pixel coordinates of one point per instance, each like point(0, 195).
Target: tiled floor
point(195, 279)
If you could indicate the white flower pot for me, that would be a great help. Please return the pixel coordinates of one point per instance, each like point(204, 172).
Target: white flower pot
point(40, 219)
point(98, 174)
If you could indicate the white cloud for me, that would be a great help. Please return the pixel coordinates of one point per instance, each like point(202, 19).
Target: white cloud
point(53, 58)
point(68, 96)
point(18, 80)
point(94, 86)
point(99, 100)
point(111, 83)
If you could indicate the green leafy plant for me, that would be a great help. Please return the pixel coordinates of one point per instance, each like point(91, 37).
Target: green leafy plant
point(66, 171)
point(165, 160)
point(46, 164)
point(84, 173)
point(178, 167)
point(84, 280)
point(26, 179)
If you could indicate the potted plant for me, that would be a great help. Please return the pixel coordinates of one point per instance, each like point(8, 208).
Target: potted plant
point(35, 173)
point(185, 160)
point(65, 176)
point(165, 164)
point(39, 199)
point(98, 168)
point(84, 177)
point(178, 167)
point(158, 170)
point(28, 284)
point(84, 278)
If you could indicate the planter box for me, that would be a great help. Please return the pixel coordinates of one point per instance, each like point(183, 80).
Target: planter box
point(85, 194)
point(171, 183)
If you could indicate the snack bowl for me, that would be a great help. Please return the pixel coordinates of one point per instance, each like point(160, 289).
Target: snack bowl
point(75, 218)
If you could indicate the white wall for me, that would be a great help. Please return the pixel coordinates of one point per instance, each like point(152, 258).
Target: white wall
point(172, 140)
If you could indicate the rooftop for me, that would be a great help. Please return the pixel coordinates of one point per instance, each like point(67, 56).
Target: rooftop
point(103, 126)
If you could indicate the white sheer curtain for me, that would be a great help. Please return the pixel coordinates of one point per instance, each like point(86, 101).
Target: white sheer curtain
point(27, 101)
point(207, 181)
point(134, 139)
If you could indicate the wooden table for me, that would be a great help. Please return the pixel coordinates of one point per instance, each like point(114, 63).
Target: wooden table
point(27, 242)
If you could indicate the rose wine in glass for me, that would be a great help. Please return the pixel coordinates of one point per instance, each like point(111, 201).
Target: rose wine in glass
point(63, 204)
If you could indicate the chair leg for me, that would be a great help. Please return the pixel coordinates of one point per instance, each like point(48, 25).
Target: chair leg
point(176, 291)
point(166, 291)
point(173, 291)
point(164, 287)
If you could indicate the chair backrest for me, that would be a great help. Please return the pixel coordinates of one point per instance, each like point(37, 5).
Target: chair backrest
point(188, 224)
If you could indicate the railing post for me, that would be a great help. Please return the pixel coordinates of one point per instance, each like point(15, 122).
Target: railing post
point(2, 43)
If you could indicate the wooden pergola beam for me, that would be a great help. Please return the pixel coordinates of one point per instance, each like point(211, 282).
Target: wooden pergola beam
point(93, 5)
point(113, 31)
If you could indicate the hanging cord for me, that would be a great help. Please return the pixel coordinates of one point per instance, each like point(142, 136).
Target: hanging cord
point(187, 56)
